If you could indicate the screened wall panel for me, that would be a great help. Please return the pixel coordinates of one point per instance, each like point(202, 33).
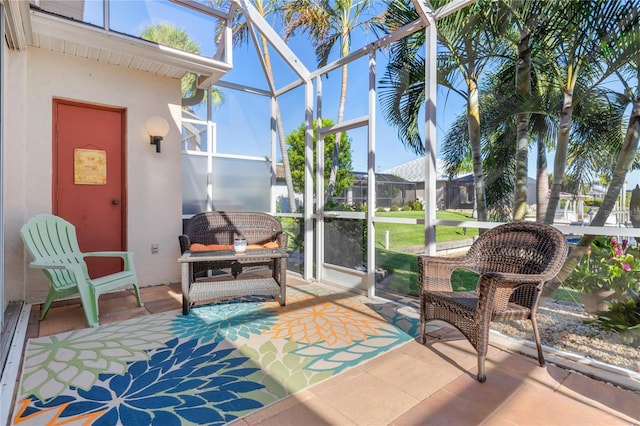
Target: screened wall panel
point(194, 184)
point(239, 184)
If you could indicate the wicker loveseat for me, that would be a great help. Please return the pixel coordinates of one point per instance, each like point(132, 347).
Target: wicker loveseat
point(218, 229)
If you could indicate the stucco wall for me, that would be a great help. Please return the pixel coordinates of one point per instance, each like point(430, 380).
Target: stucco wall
point(153, 180)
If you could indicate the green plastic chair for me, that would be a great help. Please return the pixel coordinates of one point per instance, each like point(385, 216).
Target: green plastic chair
point(53, 244)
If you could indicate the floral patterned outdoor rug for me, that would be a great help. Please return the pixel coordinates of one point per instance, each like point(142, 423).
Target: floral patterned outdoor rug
point(219, 363)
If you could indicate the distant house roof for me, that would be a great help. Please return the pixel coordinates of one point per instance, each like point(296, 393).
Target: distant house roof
point(413, 171)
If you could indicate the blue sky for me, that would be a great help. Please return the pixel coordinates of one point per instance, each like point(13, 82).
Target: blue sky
point(241, 127)
point(243, 120)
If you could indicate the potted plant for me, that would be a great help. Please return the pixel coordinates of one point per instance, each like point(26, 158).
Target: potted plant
point(610, 270)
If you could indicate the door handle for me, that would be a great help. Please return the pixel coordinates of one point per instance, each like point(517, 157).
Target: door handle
point(115, 202)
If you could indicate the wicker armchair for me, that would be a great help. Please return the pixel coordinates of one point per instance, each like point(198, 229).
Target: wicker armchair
point(221, 228)
point(513, 261)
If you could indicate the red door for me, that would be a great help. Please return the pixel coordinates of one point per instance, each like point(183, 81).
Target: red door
point(88, 169)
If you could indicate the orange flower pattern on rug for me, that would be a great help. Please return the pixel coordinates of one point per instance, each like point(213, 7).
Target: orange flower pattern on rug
point(331, 318)
point(51, 416)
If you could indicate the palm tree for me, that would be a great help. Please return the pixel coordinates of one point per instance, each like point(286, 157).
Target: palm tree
point(596, 133)
point(172, 36)
point(523, 16)
point(466, 53)
point(328, 24)
point(626, 158)
point(241, 35)
point(591, 41)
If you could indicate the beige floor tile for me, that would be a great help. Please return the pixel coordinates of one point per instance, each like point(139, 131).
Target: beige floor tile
point(602, 395)
point(118, 301)
point(443, 408)
point(457, 351)
point(385, 357)
point(368, 400)
point(494, 420)
point(275, 408)
point(164, 305)
point(109, 316)
point(527, 369)
point(418, 350)
point(339, 381)
point(63, 318)
point(414, 376)
point(160, 292)
point(537, 405)
point(314, 412)
point(489, 395)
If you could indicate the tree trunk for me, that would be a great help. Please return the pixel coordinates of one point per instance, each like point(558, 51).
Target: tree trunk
point(473, 113)
point(336, 146)
point(542, 180)
point(523, 86)
point(634, 207)
point(560, 159)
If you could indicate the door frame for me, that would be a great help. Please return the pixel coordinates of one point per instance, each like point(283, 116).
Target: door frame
point(123, 157)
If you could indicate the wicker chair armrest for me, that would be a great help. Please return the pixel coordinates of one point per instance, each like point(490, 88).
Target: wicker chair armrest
point(185, 243)
point(282, 238)
point(514, 280)
point(434, 272)
point(495, 289)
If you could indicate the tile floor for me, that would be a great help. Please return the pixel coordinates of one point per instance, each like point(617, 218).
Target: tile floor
point(411, 385)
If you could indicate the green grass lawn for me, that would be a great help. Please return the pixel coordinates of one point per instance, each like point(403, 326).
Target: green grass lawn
point(402, 235)
point(402, 265)
point(404, 270)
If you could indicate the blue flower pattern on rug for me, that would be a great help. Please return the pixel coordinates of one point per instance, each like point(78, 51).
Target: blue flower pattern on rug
point(225, 321)
point(215, 369)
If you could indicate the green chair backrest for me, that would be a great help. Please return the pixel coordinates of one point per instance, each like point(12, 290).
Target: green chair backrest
point(51, 239)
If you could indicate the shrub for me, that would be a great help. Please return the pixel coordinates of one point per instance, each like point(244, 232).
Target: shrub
point(622, 318)
point(341, 206)
point(394, 207)
point(608, 264)
point(406, 208)
point(417, 206)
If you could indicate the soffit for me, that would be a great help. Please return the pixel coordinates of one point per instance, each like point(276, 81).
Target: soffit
point(85, 41)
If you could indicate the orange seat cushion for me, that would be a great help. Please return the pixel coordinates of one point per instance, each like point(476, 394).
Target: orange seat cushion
point(202, 247)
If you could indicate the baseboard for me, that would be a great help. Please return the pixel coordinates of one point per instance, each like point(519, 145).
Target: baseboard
point(13, 364)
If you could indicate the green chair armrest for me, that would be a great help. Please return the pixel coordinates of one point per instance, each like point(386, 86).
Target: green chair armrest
point(49, 265)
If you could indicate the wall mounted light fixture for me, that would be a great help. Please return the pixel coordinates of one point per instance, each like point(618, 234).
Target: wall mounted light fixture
point(157, 127)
